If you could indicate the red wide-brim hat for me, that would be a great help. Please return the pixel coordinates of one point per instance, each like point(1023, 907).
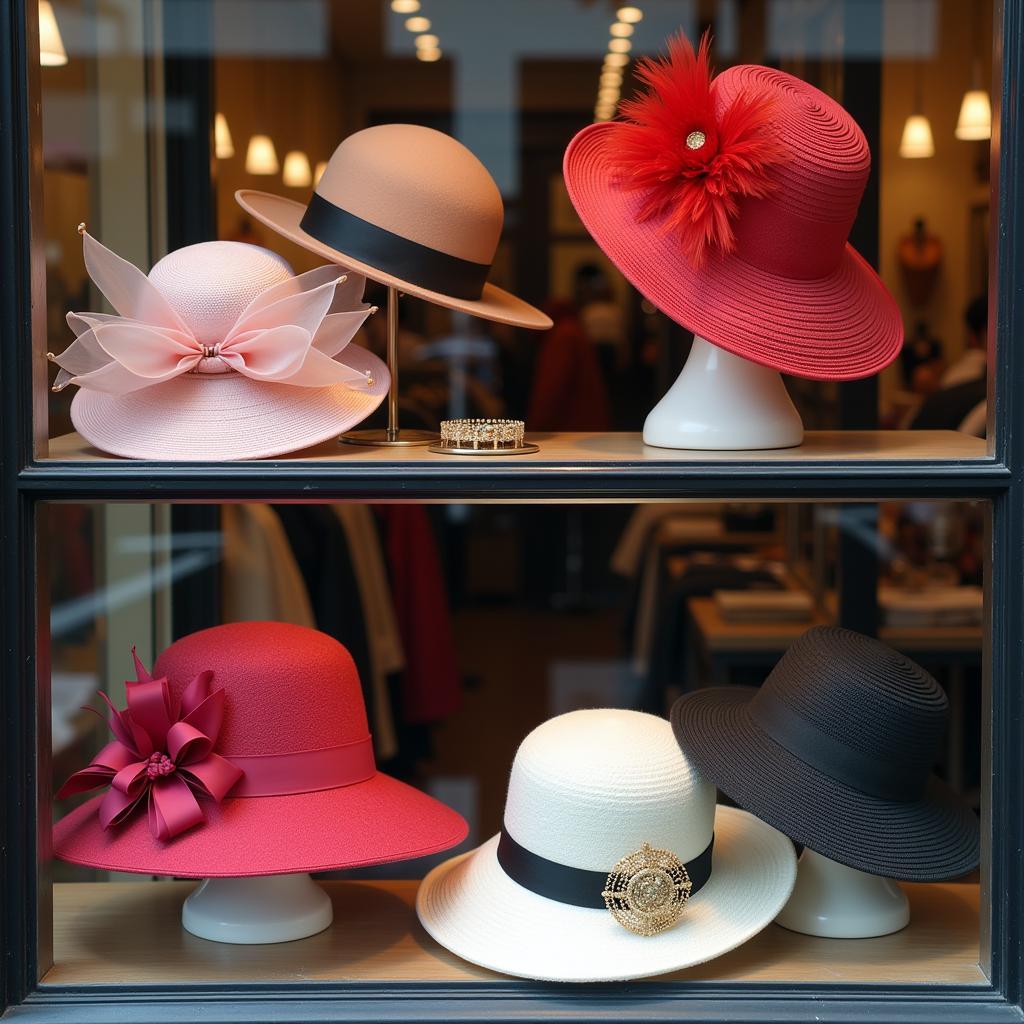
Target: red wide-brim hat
point(289, 783)
point(792, 295)
point(374, 822)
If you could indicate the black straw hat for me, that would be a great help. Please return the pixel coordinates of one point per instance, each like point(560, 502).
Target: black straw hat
point(836, 750)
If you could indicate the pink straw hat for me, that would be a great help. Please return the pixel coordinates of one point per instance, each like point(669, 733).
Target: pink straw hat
point(250, 748)
point(728, 203)
point(220, 353)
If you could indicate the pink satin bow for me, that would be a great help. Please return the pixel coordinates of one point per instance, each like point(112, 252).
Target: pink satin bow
point(286, 334)
point(163, 753)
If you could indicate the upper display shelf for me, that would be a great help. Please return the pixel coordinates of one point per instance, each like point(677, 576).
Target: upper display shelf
point(591, 466)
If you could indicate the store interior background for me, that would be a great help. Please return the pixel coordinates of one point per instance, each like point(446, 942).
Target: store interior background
point(540, 603)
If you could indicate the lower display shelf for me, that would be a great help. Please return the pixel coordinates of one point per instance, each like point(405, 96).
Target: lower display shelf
point(129, 933)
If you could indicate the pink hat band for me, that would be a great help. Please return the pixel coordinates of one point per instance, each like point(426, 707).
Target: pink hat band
point(304, 771)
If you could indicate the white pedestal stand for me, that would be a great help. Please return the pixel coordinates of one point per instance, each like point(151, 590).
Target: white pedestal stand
point(838, 902)
point(722, 402)
point(248, 911)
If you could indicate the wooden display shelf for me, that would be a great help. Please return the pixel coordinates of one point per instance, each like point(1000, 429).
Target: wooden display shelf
point(125, 933)
point(719, 635)
point(619, 449)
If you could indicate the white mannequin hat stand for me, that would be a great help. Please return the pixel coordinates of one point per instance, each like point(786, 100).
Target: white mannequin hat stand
point(249, 911)
point(723, 402)
point(838, 902)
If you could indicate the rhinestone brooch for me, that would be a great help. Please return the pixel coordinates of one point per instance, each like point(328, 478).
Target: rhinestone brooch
point(695, 140)
point(647, 890)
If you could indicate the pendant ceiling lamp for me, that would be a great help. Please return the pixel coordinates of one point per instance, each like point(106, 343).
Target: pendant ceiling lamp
point(223, 146)
point(261, 157)
point(975, 120)
point(51, 47)
point(297, 172)
point(917, 141)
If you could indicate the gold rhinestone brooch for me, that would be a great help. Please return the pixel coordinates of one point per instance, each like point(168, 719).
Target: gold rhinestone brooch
point(647, 890)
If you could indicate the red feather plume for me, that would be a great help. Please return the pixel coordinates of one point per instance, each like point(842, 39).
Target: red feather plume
point(696, 189)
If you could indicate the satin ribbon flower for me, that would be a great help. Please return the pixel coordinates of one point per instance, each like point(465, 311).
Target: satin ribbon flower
point(162, 755)
point(286, 334)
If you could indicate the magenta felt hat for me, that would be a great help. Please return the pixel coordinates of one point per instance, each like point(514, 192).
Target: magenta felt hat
point(727, 202)
point(247, 752)
point(220, 353)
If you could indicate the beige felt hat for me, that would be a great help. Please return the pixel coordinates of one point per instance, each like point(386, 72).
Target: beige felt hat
point(411, 208)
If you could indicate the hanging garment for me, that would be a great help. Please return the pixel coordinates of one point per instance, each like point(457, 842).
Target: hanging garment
point(382, 633)
point(321, 551)
point(431, 688)
point(261, 580)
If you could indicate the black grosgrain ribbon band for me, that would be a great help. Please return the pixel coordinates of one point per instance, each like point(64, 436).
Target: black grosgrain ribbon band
point(400, 257)
point(804, 740)
point(576, 886)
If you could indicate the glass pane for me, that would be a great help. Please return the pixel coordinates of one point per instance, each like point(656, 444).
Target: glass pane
point(469, 627)
point(162, 110)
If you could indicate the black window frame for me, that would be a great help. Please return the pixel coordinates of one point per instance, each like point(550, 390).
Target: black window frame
point(27, 482)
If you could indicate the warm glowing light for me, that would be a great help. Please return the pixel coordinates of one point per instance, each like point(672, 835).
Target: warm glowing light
point(428, 54)
point(619, 46)
point(318, 172)
point(975, 120)
point(297, 172)
point(616, 60)
point(405, 6)
point(51, 47)
point(622, 29)
point(608, 93)
point(261, 157)
point(427, 42)
point(630, 15)
point(917, 138)
point(417, 24)
point(611, 78)
point(223, 147)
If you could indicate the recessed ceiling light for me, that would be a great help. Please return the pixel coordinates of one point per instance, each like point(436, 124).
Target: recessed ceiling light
point(405, 6)
point(427, 42)
point(619, 46)
point(629, 14)
point(621, 29)
point(428, 54)
point(616, 60)
point(418, 24)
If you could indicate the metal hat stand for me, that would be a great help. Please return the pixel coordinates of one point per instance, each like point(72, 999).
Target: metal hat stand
point(391, 436)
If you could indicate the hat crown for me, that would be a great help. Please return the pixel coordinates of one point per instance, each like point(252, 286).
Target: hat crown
point(800, 229)
point(589, 787)
point(209, 284)
point(862, 694)
point(420, 184)
point(288, 688)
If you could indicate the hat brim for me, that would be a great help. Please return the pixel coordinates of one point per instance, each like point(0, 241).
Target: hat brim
point(226, 416)
point(470, 906)
point(284, 216)
point(840, 327)
point(929, 840)
point(373, 822)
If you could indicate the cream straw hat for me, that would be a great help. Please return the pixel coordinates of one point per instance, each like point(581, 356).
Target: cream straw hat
point(606, 816)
